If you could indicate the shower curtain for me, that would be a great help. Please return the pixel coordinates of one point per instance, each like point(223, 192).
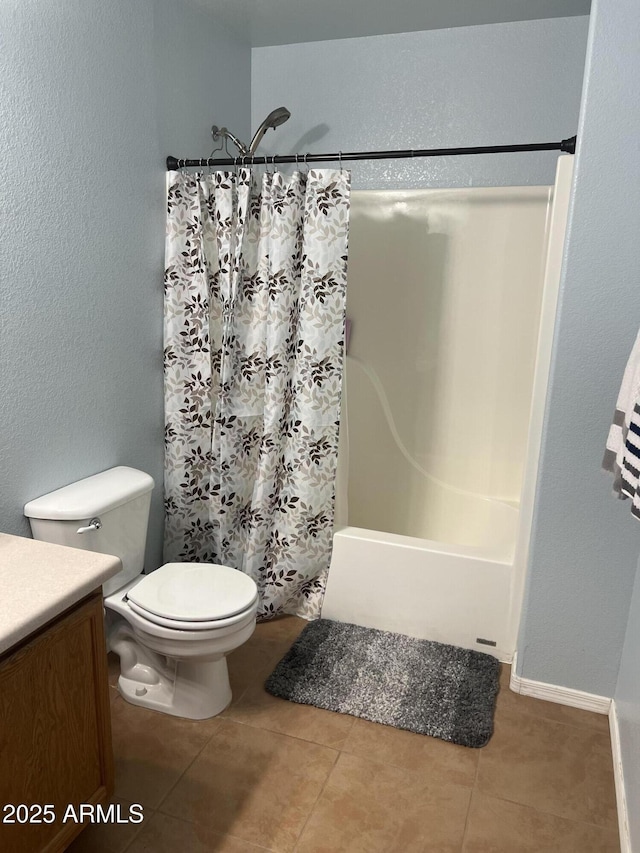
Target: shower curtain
point(255, 290)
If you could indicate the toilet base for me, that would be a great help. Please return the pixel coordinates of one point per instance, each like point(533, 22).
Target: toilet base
point(199, 690)
point(195, 689)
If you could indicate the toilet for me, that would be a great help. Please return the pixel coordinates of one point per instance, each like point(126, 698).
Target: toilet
point(172, 628)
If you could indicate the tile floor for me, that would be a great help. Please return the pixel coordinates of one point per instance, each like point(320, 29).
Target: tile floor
point(269, 775)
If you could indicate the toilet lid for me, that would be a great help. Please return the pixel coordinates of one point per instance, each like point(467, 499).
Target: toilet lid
point(194, 592)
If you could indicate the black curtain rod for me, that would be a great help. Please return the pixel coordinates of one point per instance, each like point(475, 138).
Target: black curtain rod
point(567, 145)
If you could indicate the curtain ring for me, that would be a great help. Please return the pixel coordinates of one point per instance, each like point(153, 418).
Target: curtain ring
point(340, 159)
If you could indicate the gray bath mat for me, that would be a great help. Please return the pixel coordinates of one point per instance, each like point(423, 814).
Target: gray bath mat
point(425, 687)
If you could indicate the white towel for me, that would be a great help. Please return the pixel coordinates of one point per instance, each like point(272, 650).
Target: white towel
point(622, 456)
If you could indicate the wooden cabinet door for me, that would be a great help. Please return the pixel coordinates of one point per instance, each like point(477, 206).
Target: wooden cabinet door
point(55, 727)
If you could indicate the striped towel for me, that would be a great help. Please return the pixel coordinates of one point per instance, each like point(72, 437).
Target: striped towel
point(622, 456)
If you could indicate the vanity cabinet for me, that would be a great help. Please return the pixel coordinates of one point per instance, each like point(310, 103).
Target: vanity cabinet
point(55, 729)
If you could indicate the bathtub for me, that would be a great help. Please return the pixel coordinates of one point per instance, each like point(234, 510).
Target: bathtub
point(448, 592)
point(452, 297)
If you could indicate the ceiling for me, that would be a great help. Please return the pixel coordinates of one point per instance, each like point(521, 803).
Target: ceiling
point(267, 22)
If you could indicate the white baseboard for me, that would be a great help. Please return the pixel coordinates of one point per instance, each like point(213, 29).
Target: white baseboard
point(618, 775)
point(588, 702)
point(559, 695)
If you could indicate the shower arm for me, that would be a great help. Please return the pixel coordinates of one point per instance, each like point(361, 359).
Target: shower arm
point(223, 133)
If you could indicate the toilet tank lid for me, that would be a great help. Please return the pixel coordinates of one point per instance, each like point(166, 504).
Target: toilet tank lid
point(91, 496)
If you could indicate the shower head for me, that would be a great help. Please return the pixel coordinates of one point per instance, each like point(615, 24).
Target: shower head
point(274, 119)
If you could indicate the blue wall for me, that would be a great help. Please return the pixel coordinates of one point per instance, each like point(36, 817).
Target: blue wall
point(585, 544)
point(202, 76)
point(483, 85)
point(93, 97)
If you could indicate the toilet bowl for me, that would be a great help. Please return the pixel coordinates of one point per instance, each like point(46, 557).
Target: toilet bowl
point(172, 628)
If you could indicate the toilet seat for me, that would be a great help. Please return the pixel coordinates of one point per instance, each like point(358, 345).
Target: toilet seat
point(185, 640)
point(193, 596)
point(200, 625)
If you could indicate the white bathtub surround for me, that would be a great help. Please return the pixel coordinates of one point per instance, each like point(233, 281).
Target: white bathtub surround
point(431, 590)
point(254, 375)
point(452, 294)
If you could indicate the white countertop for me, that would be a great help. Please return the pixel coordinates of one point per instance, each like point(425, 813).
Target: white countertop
point(39, 580)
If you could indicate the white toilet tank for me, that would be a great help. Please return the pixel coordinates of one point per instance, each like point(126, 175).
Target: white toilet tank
point(118, 498)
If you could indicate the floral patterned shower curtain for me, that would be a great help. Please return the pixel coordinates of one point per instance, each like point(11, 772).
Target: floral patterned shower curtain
point(255, 290)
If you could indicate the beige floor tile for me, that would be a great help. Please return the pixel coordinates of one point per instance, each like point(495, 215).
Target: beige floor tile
point(281, 628)
point(253, 662)
point(166, 834)
point(432, 758)
point(367, 807)
point(109, 837)
point(496, 826)
point(152, 750)
point(261, 709)
point(553, 767)
point(263, 776)
point(253, 784)
point(510, 701)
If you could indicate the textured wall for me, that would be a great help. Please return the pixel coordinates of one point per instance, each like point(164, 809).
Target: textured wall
point(485, 85)
point(203, 77)
point(585, 544)
point(86, 113)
